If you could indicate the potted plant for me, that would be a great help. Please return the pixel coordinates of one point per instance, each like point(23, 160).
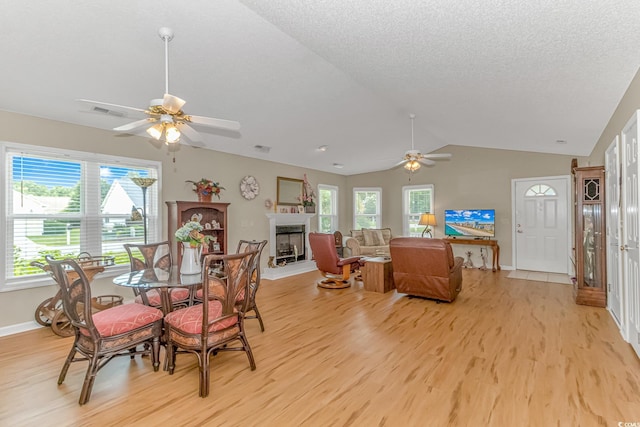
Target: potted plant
point(192, 241)
point(308, 196)
point(205, 188)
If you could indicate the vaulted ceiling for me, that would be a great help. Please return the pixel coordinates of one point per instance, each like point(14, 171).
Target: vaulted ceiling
point(298, 75)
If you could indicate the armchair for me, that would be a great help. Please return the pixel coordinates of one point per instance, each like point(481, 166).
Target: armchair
point(426, 268)
point(336, 270)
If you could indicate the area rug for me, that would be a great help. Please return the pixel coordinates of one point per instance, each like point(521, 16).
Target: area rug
point(539, 276)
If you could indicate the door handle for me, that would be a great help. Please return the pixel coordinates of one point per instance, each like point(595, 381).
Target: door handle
point(623, 247)
point(519, 231)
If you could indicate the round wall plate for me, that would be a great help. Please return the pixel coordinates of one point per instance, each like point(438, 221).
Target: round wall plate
point(249, 187)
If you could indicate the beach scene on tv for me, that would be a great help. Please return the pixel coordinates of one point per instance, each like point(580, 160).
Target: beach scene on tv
point(475, 223)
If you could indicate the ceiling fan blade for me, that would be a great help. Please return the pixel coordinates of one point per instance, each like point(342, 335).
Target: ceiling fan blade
point(192, 135)
point(215, 123)
point(427, 162)
point(134, 125)
point(99, 107)
point(172, 104)
point(437, 156)
point(401, 162)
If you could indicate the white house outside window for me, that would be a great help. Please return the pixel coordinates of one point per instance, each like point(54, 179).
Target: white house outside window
point(63, 202)
point(327, 208)
point(367, 208)
point(416, 200)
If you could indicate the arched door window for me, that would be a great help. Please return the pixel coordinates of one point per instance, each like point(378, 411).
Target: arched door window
point(540, 190)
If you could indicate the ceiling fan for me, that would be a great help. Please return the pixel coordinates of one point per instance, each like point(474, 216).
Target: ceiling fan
point(164, 117)
point(413, 158)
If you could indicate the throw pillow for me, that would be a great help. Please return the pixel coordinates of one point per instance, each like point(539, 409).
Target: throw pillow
point(373, 237)
point(378, 239)
point(357, 234)
point(368, 237)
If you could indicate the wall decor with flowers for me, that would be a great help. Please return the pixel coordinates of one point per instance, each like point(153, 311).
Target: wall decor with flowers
point(308, 196)
point(206, 188)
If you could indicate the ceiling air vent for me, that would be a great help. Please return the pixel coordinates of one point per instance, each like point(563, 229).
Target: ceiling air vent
point(107, 111)
point(262, 148)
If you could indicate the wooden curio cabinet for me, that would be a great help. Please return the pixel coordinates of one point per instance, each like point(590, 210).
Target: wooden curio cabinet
point(212, 216)
point(590, 286)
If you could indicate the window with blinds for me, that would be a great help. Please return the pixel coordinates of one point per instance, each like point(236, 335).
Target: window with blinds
point(62, 203)
point(367, 209)
point(416, 200)
point(327, 208)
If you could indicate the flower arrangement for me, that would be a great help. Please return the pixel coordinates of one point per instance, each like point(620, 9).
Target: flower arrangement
point(307, 193)
point(207, 187)
point(190, 233)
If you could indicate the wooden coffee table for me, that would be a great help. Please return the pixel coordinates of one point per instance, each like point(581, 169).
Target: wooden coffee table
point(377, 274)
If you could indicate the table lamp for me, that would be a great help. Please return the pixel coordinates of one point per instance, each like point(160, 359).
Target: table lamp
point(427, 219)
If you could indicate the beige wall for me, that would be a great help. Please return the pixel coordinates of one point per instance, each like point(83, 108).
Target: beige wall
point(247, 218)
point(628, 105)
point(474, 178)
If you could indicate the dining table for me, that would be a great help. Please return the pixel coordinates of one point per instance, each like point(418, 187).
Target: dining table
point(161, 279)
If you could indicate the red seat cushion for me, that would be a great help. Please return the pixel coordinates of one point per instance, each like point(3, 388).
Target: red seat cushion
point(124, 318)
point(153, 295)
point(189, 320)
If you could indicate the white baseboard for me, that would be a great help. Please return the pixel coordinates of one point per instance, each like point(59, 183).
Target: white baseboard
point(20, 327)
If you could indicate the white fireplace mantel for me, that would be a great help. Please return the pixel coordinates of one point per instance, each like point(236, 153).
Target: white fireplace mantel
point(293, 268)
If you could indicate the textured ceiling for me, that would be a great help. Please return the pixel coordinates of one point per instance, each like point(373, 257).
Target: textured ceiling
point(516, 75)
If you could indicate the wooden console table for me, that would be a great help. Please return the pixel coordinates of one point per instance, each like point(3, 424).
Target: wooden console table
point(495, 248)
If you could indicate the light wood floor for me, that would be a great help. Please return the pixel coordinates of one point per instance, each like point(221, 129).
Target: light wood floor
point(508, 352)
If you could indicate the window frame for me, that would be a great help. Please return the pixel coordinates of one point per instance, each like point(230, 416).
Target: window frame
point(377, 216)
point(333, 217)
point(90, 210)
point(406, 190)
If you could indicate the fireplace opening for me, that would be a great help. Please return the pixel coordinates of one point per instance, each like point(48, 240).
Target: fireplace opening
point(289, 244)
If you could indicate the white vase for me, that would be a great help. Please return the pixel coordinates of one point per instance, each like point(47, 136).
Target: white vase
point(190, 259)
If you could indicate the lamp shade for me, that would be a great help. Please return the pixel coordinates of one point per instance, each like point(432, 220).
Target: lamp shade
point(412, 166)
point(427, 219)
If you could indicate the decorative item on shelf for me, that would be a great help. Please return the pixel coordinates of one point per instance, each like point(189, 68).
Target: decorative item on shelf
point(144, 183)
point(192, 241)
point(428, 220)
point(205, 188)
point(308, 196)
point(268, 204)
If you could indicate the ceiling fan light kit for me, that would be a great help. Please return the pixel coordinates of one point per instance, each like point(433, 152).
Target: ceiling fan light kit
point(413, 159)
point(166, 120)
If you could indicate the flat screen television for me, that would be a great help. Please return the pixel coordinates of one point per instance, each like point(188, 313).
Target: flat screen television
point(470, 223)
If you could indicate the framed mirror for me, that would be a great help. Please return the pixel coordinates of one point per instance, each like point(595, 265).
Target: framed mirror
point(289, 191)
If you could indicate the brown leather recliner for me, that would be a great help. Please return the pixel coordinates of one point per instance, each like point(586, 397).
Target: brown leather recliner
point(426, 268)
point(336, 270)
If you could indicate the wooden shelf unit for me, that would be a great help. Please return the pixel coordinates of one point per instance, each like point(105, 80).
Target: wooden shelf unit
point(181, 212)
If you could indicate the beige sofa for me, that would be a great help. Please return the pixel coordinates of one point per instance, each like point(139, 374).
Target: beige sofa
point(368, 242)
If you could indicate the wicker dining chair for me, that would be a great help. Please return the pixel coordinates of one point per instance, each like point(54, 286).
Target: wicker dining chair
point(101, 336)
point(207, 328)
point(254, 274)
point(155, 255)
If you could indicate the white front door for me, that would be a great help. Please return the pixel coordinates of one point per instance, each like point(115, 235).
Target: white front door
point(630, 235)
point(541, 224)
point(612, 200)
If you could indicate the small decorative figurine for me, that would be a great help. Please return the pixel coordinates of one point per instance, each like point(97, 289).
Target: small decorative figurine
point(483, 255)
point(271, 264)
point(468, 263)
